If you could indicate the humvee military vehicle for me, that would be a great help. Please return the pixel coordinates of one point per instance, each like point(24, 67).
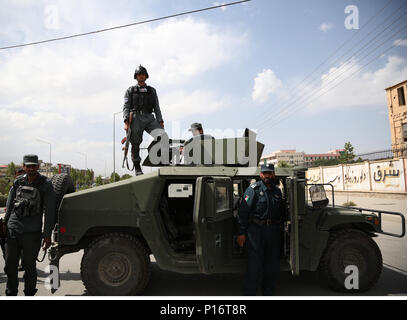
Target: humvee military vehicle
point(184, 215)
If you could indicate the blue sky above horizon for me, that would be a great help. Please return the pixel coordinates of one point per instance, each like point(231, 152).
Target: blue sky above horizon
point(228, 68)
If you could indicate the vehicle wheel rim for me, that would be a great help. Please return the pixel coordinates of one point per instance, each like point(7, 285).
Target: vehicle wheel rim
point(114, 269)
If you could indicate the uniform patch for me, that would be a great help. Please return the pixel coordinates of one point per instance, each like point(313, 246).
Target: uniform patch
point(143, 89)
point(246, 197)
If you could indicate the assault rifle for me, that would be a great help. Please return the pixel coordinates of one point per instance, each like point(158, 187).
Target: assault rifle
point(126, 142)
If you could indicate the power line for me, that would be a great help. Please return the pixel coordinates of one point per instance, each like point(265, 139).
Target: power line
point(347, 41)
point(123, 26)
point(286, 107)
point(297, 107)
point(336, 85)
point(343, 66)
point(310, 96)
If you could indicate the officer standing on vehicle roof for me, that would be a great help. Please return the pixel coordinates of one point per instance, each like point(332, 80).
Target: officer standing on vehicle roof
point(143, 101)
point(32, 194)
point(259, 219)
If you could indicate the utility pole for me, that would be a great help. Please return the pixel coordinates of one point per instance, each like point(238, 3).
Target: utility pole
point(114, 144)
point(50, 164)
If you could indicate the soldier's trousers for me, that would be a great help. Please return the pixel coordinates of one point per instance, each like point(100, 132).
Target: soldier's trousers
point(263, 259)
point(143, 122)
point(29, 244)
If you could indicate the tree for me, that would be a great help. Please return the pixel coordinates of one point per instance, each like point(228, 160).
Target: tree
point(88, 176)
point(125, 176)
point(283, 164)
point(114, 177)
point(11, 170)
point(348, 155)
point(4, 186)
point(7, 182)
point(99, 180)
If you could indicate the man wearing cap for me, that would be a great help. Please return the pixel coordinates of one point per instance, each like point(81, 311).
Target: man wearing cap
point(142, 100)
point(197, 133)
point(31, 197)
point(259, 219)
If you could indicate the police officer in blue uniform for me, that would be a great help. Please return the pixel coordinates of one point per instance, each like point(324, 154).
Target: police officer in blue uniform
point(259, 222)
point(31, 198)
point(143, 101)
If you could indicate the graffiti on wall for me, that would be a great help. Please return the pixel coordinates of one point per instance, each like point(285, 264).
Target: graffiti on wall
point(380, 175)
point(352, 178)
point(333, 175)
point(388, 175)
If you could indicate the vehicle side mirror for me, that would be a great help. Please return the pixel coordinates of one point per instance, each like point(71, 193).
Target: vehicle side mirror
point(318, 197)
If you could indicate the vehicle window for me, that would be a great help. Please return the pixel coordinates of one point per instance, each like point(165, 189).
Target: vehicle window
point(178, 190)
point(222, 198)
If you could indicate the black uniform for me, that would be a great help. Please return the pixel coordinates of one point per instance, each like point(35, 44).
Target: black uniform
point(143, 101)
point(24, 218)
point(259, 217)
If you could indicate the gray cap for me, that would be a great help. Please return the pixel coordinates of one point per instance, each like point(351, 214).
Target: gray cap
point(195, 126)
point(267, 167)
point(30, 159)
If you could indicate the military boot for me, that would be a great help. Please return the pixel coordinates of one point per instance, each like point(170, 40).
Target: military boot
point(30, 293)
point(137, 169)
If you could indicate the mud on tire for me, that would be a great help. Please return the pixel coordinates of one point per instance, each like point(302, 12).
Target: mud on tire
point(117, 265)
point(63, 185)
point(350, 247)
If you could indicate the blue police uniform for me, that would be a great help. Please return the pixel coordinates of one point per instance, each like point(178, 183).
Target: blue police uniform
point(259, 216)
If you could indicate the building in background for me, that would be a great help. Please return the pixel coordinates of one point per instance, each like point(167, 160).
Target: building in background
point(396, 102)
point(294, 158)
point(337, 151)
point(45, 168)
point(291, 157)
point(3, 170)
point(64, 168)
point(310, 158)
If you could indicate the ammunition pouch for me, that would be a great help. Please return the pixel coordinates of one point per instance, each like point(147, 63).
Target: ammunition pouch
point(27, 202)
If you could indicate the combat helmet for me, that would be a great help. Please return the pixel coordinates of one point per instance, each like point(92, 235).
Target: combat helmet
point(140, 70)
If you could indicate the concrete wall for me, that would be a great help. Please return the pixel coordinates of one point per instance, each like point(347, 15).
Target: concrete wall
point(374, 176)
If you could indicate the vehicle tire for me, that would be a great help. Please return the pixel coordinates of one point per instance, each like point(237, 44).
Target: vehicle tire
point(350, 247)
point(115, 265)
point(63, 185)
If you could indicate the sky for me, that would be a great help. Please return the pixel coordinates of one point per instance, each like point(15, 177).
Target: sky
point(305, 75)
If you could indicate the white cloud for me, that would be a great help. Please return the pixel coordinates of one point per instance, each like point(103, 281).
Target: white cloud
point(179, 104)
point(67, 91)
point(325, 27)
point(363, 89)
point(72, 78)
point(265, 84)
point(400, 42)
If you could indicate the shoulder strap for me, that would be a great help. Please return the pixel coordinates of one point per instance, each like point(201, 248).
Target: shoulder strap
point(18, 181)
point(131, 97)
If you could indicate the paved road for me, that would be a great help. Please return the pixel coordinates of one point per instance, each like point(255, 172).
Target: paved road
point(393, 280)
